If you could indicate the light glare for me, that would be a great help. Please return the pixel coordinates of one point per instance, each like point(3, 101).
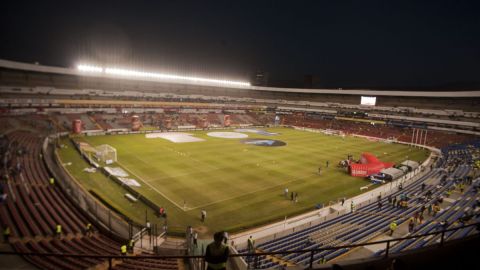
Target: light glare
point(89, 68)
point(157, 76)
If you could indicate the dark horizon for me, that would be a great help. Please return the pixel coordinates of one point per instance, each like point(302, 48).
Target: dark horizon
point(408, 45)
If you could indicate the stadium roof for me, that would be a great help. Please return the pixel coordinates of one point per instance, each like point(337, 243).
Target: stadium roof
point(7, 64)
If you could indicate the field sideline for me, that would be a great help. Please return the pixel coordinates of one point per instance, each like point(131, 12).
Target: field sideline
point(239, 185)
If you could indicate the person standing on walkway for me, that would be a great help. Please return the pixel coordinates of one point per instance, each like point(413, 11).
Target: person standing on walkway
point(203, 215)
point(131, 244)
point(352, 207)
point(251, 245)
point(285, 193)
point(195, 239)
point(216, 254)
point(393, 227)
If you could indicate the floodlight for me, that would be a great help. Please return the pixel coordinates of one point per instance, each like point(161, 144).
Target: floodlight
point(158, 76)
point(89, 68)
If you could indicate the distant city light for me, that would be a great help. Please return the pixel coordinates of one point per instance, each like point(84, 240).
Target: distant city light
point(157, 76)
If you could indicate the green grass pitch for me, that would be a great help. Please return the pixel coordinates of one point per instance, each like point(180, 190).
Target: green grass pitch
point(239, 185)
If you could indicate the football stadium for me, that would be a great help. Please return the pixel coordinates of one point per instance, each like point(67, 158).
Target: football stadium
point(111, 166)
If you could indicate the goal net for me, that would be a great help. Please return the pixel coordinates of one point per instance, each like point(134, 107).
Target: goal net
point(106, 153)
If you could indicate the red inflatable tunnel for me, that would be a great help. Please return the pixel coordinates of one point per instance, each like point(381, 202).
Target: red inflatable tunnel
point(369, 164)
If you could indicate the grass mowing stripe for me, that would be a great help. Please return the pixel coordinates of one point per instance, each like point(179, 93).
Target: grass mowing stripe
point(151, 186)
point(246, 188)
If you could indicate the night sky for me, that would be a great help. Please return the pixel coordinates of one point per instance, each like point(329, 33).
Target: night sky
point(348, 44)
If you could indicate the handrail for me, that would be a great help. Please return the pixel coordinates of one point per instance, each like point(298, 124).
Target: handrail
point(442, 232)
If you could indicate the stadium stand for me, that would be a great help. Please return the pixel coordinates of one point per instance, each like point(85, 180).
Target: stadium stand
point(49, 102)
point(369, 221)
point(34, 207)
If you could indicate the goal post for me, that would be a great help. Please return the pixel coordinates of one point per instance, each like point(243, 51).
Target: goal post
point(106, 153)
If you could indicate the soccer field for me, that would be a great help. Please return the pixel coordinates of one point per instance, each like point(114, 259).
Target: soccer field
point(240, 185)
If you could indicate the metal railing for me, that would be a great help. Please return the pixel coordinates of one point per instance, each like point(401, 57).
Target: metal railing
point(255, 256)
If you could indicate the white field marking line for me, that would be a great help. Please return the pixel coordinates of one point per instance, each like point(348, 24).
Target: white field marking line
point(195, 167)
point(194, 159)
point(248, 193)
point(176, 175)
point(154, 188)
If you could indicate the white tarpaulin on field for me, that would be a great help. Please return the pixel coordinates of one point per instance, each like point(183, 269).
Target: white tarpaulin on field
point(227, 135)
point(129, 181)
point(117, 171)
point(176, 137)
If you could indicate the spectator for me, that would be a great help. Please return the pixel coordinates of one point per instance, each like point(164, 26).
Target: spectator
point(393, 227)
point(131, 244)
point(58, 230)
point(416, 216)
point(251, 245)
point(89, 229)
point(411, 225)
point(422, 209)
point(6, 233)
point(216, 254)
point(203, 215)
point(444, 224)
point(147, 225)
point(225, 237)
point(436, 209)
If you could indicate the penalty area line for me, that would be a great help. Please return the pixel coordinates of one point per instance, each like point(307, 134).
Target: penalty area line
point(154, 188)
